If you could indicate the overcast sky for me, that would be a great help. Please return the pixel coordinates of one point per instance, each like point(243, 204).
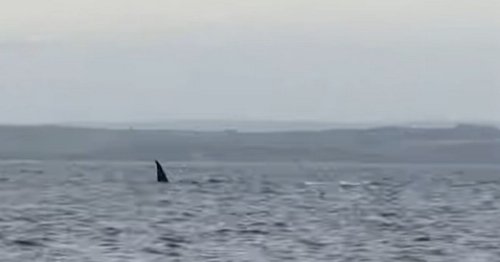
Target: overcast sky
point(326, 60)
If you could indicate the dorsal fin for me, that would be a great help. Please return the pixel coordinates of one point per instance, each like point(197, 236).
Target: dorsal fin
point(161, 176)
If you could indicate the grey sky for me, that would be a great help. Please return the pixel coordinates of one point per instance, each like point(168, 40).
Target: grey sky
point(327, 60)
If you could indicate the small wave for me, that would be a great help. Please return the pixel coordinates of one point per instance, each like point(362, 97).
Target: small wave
point(315, 183)
point(27, 243)
point(253, 232)
point(349, 184)
point(31, 171)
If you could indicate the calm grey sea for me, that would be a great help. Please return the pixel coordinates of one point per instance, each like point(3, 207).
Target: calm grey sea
point(103, 212)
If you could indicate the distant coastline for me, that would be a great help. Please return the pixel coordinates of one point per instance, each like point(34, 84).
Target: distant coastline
point(265, 125)
point(463, 143)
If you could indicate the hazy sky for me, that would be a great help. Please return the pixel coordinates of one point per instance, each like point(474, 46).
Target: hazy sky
point(331, 60)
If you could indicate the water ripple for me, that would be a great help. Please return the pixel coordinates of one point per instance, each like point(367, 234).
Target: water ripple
point(116, 212)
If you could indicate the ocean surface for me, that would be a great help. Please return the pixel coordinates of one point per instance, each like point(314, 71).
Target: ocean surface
point(103, 212)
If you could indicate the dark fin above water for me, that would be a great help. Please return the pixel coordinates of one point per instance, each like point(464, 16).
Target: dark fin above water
point(161, 176)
